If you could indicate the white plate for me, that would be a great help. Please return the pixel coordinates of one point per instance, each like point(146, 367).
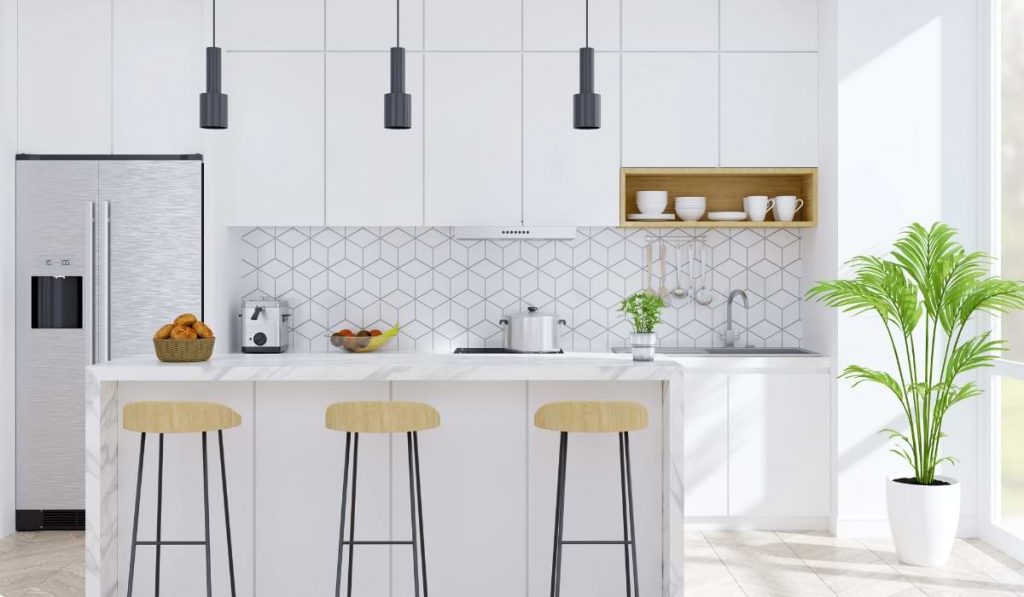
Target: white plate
point(650, 217)
point(727, 216)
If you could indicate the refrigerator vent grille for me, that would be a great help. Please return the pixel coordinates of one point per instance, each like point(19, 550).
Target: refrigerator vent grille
point(50, 520)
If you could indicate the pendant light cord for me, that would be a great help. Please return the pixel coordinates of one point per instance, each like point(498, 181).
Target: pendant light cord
point(586, 23)
point(215, 23)
point(398, 23)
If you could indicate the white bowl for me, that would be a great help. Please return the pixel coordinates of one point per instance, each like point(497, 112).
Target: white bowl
point(689, 214)
point(691, 200)
point(651, 202)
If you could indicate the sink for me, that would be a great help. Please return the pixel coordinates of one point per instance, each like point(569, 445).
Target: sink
point(722, 351)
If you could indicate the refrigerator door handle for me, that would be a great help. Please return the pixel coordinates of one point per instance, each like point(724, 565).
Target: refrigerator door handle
point(106, 281)
point(88, 297)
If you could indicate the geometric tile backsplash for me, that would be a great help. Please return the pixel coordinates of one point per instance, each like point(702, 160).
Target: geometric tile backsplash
point(447, 293)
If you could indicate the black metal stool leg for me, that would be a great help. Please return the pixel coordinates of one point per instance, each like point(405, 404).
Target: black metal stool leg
point(632, 521)
point(419, 507)
point(352, 514)
point(412, 517)
point(344, 505)
point(556, 558)
point(206, 512)
point(135, 525)
point(227, 515)
point(625, 520)
point(159, 512)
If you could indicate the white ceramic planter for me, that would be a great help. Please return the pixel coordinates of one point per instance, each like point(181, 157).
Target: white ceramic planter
point(643, 346)
point(923, 520)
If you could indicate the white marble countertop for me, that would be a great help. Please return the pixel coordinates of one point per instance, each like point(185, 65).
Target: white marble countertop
point(390, 367)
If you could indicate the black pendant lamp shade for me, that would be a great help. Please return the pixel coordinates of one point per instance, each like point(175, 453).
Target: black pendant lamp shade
point(397, 103)
point(213, 105)
point(586, 105)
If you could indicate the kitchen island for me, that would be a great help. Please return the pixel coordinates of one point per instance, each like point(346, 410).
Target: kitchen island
point(488, 475)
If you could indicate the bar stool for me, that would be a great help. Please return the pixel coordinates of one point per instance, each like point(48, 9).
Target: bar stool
point(180, 417)
point(595, 417)
point(382, 417)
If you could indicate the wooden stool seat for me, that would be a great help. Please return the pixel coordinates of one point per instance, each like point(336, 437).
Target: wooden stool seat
point(179, 417)
point(381, 417)
point(591, 417)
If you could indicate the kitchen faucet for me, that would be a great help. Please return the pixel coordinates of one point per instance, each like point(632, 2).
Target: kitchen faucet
point(729, 336)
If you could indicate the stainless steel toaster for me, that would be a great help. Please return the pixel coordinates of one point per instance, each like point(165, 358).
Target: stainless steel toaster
point(265, 326)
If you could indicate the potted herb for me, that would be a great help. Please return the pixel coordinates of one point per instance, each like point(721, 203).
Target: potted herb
point(643, 311)
point(925, 294)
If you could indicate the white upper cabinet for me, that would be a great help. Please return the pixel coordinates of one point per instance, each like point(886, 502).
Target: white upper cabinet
point(769, 110)
point(157, 109)
point(570, 176)
point(64, 77)
point(779, 445)
point(473, 25)
point(473, 129)
point(770, 25)
point(670, 110)
point(690, 25)
point(362, 25)
point(270, 161)
point(560, 25)
point(270, 24)
point(374, 175)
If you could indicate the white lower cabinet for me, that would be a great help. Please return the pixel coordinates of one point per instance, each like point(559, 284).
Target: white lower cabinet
point(706, 444)
point(756, 446)
point(778, 445)
point(474, 497)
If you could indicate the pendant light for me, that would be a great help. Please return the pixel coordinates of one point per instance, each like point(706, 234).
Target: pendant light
point(213, 105)
point(586, 105)
point(397, 103)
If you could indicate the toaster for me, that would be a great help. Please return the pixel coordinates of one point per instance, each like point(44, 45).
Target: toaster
point(265, 326)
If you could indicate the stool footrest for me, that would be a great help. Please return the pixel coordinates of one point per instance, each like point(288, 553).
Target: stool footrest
point(170, 543)
point(596, 542)
point(377, 542)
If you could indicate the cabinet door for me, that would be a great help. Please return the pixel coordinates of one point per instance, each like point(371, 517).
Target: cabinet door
point(593, 495)
point(779, 444)
point(271, 24)
point(474, 139)
point(769, 110)
point(669, 110)
point(361, 25)
point(269, 163)
point(64, 76)
point(670, 25)
point(473, 25)
point(706, 444)
point(374, 175)
point(299, 466)
point(770, 25)
point(559, 25)
point(472, 470)
point(570, 176)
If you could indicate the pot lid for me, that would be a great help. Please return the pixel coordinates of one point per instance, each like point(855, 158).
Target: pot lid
point(531, 311)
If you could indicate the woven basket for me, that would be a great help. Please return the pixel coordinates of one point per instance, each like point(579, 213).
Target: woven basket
point(184, 351)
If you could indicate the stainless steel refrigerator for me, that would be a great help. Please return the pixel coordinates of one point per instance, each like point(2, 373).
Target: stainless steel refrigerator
point(109, 248)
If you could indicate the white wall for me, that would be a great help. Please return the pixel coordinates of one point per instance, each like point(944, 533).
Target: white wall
point(904, 150)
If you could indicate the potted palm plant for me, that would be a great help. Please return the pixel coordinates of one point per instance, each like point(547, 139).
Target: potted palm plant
point(926, 294)
point(643, 311)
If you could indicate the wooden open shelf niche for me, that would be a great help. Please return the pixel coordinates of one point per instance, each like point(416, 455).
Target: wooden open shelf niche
point(725, 189)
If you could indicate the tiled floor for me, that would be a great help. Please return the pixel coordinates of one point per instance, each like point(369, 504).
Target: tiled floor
point(717, 564)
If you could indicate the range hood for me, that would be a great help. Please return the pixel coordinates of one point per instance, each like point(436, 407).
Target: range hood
point(514, 233)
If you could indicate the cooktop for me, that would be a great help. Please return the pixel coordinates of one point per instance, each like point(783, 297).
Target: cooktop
point(496, 351)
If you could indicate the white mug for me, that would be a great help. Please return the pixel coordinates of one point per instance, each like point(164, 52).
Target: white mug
point(786, 207)
point(757, 207)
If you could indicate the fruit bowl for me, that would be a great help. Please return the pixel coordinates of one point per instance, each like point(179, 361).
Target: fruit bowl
point(355, 343)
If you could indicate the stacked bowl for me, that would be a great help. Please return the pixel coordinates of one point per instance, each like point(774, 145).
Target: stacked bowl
point(690, 209)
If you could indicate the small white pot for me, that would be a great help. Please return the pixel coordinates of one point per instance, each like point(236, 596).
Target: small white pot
point(923, 520)
point(643, 346)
